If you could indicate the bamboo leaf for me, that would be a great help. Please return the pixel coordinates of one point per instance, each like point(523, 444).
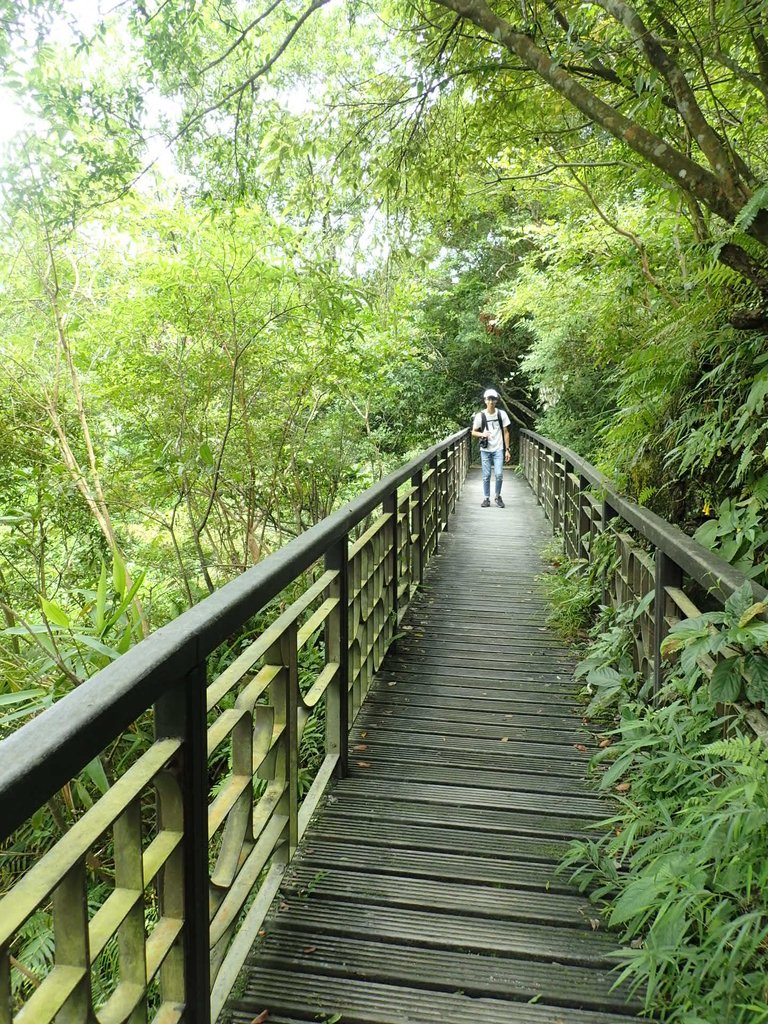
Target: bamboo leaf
point(118, 572)
point(97, 646)
point(20, 696)
point(95, 772)
point(124, 604)
point(101, 598)
point(54, 613)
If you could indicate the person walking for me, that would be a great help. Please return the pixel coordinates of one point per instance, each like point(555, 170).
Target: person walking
point(492, 427)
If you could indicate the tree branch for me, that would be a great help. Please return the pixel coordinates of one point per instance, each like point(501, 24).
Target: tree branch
point(249, 28)
point(688, 175)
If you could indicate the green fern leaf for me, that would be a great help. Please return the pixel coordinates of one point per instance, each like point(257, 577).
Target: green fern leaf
point(747, 214)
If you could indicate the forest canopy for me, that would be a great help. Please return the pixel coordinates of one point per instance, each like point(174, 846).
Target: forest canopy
point(256, 254)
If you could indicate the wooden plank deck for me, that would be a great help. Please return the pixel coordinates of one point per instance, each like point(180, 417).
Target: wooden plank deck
point(424, 890)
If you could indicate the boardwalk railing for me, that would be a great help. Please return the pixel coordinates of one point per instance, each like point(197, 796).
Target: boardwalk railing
point(582, 504)
point(193, 862)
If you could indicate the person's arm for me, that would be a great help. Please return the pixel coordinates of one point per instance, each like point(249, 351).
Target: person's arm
point(476, 431)
point(507, 452)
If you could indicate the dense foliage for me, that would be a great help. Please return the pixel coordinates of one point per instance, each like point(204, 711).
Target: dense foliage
point(253, 255)
point(679, 865)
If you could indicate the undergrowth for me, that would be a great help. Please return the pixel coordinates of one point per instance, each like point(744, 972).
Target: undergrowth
point(574, 589)
point(679, 868)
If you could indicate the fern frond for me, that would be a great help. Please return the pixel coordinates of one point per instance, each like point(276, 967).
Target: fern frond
point(739, 750)
point(747, 214)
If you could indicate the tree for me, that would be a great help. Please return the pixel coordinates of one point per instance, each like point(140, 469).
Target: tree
point(680, 92)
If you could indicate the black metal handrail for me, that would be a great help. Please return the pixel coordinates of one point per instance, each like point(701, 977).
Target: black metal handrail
point(255, 711)
point(581, 502)
point(47, 752)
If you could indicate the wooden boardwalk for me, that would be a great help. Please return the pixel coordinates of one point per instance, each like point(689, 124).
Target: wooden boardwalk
point(425, 888)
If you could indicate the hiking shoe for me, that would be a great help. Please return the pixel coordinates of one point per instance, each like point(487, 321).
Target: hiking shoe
point(485, 503)
point(499, 502)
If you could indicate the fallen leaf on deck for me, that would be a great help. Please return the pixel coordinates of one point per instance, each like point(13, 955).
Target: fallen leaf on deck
point(505, 739)
point(604, 743)
point(309, 949)
point(581, 747)
point(363, 764)
point(363, 734)
point(264, 1015)
point(623, 787)
point(360, 746)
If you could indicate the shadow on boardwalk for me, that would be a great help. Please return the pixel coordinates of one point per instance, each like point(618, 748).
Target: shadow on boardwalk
point(424, 890)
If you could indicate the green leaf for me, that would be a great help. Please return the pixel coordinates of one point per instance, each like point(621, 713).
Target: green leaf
point(124, 604)
point(758, 632)
point(95, 772)
point(726, 681)
point(96, 645)
point(643, 604)
point(206, 455)
point(21, 696)
point(756, 671)
point(25, 712)
point(758, 391)
point(603, 699)
point(706, 534)
point(118, 572)
point(740, 601)
point(638, 897)
point(750, 210)
point(668, 927)
point(124, 642)
point(54, 613)
point(604, 676)
point(755, 609)
point(101, 598)
point(682, 634)
point(690, 654)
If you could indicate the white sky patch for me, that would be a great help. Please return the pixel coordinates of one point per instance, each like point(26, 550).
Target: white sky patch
point(15, 117)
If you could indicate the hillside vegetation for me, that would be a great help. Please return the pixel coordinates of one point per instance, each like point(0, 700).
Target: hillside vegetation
point(253, 256)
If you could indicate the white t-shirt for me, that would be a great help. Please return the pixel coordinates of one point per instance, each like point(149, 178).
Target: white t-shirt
point(495, 425)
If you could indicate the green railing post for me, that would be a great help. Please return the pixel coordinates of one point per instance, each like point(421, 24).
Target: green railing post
point(181, 712)
point(444, 481)
point(290, 802)
point(389, 507)
point(417, 528)
point(667, 574)
point(558, 492)
point(540, 467)
point(434, 504)
point(337, 649)
point(70, 931)
point(453, 478)
point(584, 526)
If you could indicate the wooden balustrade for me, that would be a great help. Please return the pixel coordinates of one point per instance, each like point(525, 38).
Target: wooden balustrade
point(655, 557)
point(195, 837)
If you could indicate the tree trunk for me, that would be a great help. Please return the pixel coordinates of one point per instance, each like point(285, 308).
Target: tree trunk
point(714, 191)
